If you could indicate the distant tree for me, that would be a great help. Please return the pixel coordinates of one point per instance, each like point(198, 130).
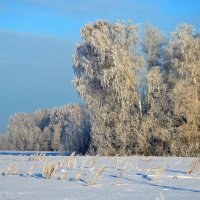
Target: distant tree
point(19, 129)
point(45, 140)
point(47, 130)
point(71, 125)
point(56, 143)
point(3, 141)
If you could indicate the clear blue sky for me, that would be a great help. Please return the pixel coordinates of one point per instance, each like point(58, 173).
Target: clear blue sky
point(37, 40)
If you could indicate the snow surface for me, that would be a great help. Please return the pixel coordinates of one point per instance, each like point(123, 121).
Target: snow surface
point(124, 178)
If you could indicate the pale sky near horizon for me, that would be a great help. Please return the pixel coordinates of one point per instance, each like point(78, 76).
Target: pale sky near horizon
point(38, 37)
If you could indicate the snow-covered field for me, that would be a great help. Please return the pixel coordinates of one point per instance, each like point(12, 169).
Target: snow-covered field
point(83, 177)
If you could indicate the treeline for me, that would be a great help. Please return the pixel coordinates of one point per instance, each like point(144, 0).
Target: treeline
point(61, 129)
point(141, 87)
point(142, 93)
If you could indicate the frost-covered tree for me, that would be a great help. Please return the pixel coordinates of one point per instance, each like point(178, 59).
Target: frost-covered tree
point(184, 54)
point(56, 143)
point(71, 126)
point(64, 129)
point(20, 131)
point(153, 46)
point(154, 133)
point(3, 141)
point(154, 137)
point(106, 64)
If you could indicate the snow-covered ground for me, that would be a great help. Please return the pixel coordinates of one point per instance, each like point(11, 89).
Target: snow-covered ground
point(84, 177)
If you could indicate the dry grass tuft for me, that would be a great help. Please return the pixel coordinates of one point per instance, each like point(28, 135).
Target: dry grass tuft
point(161, 197)
point(49, 170)
point(84, 163)
point(10, 168)
point(93, 161)
point(17, 172)
point(117, 163)
point(72, 164)
point(123, 170)
point(2, 171)
point(37, 157)
point(63, 163)
point(80, 176)
point(98, 174)
point(159, 171)
point(63, 176)
point(195, 166)
point(32, 169)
